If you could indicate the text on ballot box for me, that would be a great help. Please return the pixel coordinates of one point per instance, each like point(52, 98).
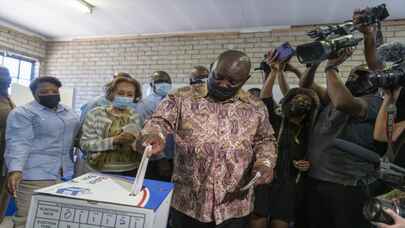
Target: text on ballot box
point(100, 201)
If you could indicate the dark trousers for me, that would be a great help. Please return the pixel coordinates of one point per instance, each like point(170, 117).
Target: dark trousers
point(331, 205)
point(180, 220)
point(160, 170)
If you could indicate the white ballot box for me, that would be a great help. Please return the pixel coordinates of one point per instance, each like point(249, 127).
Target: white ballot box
point(100, 201)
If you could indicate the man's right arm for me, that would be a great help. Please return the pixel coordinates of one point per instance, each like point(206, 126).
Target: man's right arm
point(308, 81)
point(370, 43)
point(162, 123)
point(370, 52)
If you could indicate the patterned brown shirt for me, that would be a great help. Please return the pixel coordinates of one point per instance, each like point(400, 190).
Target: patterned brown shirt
point(217, 144)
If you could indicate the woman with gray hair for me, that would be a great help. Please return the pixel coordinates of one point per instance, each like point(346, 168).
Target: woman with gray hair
point(109, 133)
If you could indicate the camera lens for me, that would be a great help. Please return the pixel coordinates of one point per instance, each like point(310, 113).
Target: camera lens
point(373, 211)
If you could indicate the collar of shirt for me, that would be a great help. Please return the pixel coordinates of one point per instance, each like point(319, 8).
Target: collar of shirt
point(201, 91)
point(37, 105)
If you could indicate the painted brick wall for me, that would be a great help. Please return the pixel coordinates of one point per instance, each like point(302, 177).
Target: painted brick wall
point(23, 44)
point(88, 64)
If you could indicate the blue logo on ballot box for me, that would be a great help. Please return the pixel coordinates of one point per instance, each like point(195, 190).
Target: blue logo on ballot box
point(73, 191)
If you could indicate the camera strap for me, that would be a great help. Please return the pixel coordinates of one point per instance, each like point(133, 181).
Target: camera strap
point(391, 110)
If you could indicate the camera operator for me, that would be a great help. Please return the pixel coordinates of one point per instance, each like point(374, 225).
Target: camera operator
point(336, 179)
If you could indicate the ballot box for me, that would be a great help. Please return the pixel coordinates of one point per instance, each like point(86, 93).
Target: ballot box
point(96, 200)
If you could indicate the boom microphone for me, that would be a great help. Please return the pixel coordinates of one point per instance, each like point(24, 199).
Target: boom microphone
point(391, 52)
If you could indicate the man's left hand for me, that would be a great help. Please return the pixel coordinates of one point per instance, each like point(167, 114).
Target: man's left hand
point(266, 174)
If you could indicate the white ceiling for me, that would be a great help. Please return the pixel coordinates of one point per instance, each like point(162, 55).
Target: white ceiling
point(59, 19)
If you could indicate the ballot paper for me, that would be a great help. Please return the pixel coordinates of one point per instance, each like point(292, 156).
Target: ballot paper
point(140, 175)
point(251, 182)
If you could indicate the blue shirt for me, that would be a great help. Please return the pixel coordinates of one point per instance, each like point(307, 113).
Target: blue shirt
point(39, 141)
point(149, 105)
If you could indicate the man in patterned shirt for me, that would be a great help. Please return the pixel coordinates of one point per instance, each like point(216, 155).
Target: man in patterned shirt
point(223, 138)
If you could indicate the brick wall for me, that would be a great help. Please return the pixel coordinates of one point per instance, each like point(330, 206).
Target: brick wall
point(21, 43)
point(88, 64)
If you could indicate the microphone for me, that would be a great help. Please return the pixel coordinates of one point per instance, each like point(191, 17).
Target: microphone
point(391, 52)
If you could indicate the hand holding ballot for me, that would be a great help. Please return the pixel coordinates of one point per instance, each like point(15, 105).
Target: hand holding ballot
point(156, 141)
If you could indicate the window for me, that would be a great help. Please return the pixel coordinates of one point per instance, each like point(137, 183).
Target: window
point(21, 69)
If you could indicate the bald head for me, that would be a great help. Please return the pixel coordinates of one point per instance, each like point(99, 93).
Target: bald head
point(233, 64)
point(228, 74)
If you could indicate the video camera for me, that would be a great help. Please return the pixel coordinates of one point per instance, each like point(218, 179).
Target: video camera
point(373, 15)
point(389, 78)
point(330, 39)
point(389, 173)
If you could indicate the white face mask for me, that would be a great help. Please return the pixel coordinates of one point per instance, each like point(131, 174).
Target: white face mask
point(162, 89)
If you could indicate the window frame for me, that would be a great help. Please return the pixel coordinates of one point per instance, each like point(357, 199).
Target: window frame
point(5, 54)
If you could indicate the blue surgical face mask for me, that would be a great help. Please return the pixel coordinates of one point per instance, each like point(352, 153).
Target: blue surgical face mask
point(162, 89)
point(122, 102)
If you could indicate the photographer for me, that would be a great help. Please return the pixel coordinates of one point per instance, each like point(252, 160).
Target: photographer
point(336, 179)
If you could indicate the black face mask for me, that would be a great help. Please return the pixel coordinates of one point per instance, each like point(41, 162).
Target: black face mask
point(49, 101)
point(298, 110)
point(220, 93)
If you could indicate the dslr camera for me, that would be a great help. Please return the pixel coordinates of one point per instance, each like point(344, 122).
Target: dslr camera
point(284, 52)
point(373, 210)
point(389, 78)
point(330, 39)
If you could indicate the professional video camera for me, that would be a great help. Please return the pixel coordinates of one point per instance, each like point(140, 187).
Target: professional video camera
point(387, 172)
point(330, 39)
point(389, 78)
point(373, 15)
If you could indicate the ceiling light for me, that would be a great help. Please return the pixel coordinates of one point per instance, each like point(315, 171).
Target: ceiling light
point(84, 6)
